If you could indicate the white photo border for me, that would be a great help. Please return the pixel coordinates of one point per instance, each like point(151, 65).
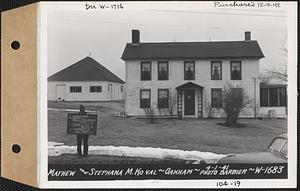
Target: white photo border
point(45, 7)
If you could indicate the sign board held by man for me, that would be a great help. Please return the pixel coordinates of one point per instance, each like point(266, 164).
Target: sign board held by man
point(82, 124)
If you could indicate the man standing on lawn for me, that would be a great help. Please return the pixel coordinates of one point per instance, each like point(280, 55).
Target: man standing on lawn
point(82, 137)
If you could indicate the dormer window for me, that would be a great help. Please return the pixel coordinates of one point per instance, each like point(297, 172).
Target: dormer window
point(163, 70)
point(189, 70)
point(145, 71)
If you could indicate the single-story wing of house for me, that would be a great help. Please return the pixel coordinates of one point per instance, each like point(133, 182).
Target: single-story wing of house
point(273, 100)
point(86, 80)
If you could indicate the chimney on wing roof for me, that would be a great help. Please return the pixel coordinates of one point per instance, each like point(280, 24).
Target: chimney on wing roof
point(135, 36)
point(247, 36)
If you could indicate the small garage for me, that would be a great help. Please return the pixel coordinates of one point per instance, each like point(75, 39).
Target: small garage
point(85, 80)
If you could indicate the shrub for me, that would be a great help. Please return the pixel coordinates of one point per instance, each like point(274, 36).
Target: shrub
point(150, 114)
point(234, 100)
point(172, 98)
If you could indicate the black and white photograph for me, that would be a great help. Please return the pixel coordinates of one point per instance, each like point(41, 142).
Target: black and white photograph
point(169, 91)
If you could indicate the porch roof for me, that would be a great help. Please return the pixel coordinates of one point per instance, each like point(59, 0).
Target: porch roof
point(264, 85)
point(189, 85)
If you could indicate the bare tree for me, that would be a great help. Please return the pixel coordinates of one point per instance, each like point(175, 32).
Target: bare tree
point(280, 71)
point(207, 107)
point(210, 114)
point(172, 99)
point(264, 77)
point(149, 111)
point(234, 100)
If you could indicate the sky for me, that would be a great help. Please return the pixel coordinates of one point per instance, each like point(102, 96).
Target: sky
point(73, 35)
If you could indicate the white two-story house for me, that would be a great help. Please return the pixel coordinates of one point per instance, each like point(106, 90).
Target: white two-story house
point(192, 73)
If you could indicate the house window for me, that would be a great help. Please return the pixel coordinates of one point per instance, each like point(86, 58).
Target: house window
point(264, 97)
point(282, 97)
point(216, 97)
point(145, 98)
point(189, 70)
point(95, 89)
point(145, 71)
point(75, 89)
point(216, 70)
point(121, 88)
point(163, 98)
point(236, 70)
point(273, 97)
point(163, 70)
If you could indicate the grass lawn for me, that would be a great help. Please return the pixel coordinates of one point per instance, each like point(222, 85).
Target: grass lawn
point(186, 134)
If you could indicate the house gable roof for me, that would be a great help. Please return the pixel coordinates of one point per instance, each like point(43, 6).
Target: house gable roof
point(86, 69)
point(192, 50)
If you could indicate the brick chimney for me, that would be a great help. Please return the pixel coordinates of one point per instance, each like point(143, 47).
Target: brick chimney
point(135, 37)
point(247, 36)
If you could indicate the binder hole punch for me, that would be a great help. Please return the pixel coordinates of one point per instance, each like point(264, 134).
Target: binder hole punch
point(16, 148)
point(15, 45)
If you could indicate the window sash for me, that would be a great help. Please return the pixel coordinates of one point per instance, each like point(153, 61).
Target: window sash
point(146, 66)
point(273, 97)
point(163, 70)
point(216, 97)
point(236, 70)
point(94, 89)
point(75, 89)
point(189, 70)
point(282, 97)
point(216, 70)
point(163, 98)
point(264, 100)
point(145, 98)
point(145, 94)
point(216, 102)
point(145, 70)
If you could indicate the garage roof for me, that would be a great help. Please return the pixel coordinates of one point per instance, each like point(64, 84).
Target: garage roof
point(86, 69)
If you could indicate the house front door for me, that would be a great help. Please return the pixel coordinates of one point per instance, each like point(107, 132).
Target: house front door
point(189, 102)
point(60, 92)
point(110, 91)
